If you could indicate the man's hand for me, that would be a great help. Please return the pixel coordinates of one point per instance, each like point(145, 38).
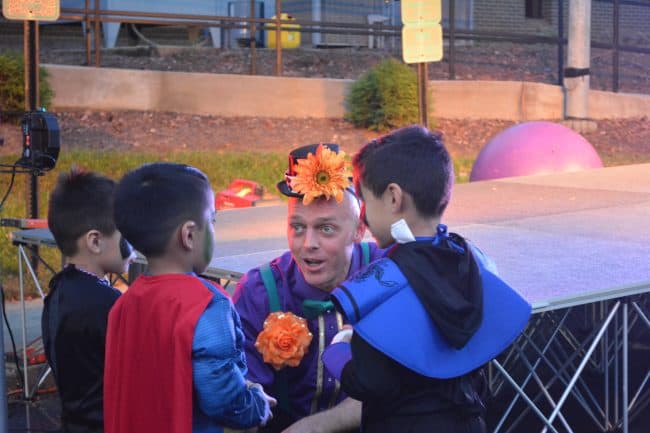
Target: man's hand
point(343, 417)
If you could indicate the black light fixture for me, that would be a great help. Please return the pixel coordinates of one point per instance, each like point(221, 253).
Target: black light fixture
point(41, 141)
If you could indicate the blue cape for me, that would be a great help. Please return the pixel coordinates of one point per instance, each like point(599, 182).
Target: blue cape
point(385, 311)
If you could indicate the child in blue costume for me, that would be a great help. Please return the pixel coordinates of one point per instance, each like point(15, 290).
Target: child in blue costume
point(430, 314)
point(174, 347)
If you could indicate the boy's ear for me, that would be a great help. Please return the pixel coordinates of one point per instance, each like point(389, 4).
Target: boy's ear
point(187, 235)
point(92, 240)
point(394, 196)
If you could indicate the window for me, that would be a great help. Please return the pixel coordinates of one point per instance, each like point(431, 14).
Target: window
point(534, 9)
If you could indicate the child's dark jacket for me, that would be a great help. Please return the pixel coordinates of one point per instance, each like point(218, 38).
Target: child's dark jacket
point(423, 320)
point(75, 316)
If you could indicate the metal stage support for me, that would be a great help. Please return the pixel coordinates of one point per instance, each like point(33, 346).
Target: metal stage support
point(553, 361)
point(25, 261)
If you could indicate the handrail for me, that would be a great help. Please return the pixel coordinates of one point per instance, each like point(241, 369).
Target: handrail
point(95, 15)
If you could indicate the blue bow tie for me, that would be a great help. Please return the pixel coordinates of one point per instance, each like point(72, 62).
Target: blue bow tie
point(312, 308)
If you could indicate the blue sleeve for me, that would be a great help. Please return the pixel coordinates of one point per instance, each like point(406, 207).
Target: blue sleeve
point(219, 368)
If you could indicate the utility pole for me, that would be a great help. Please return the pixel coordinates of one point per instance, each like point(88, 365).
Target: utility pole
point(576, 74)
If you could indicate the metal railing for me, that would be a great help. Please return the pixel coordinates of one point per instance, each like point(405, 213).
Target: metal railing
point(92, 15)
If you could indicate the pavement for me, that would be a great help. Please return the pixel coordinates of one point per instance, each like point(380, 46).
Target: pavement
point(14, 310)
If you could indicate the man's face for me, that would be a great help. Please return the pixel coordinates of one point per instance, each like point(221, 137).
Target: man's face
point(321, 236)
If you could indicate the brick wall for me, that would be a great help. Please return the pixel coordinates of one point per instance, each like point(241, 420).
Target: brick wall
point(634, 21)
point(509, 15)
point(491, 15)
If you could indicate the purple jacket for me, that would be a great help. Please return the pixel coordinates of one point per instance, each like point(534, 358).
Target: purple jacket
point(311, 388)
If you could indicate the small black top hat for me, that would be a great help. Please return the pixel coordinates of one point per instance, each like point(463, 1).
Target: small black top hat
point(294, 156)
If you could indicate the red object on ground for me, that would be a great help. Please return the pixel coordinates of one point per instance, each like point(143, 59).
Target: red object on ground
point(35, 353)
point(24, 223)
point(240, 193)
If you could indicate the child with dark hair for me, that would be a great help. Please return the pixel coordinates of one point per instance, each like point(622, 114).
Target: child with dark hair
point(428, 315)
point(174, 350)
point(75, 311)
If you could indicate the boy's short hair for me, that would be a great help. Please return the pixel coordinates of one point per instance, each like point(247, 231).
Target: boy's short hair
point(153, 200)
point(81, 201)
point(414, 158)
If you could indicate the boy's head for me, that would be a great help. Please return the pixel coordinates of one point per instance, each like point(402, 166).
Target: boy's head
point(80, 217)
point(167, 209)
point(411, 162)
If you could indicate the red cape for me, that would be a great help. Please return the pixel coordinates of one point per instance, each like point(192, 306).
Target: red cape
point(148, 373)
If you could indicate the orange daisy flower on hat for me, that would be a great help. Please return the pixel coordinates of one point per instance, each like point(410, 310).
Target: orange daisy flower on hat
point(319, 175)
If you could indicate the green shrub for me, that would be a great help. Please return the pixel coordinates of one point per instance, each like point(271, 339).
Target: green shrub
point(384, 98)
point(12, 84)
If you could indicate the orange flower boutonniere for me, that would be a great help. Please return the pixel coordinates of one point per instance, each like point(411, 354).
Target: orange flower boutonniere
point(323, 174)
point(284, 340)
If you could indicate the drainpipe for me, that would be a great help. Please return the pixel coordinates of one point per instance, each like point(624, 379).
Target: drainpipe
point(316, 15)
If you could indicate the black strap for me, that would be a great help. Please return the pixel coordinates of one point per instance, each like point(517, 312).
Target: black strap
point(575, 72)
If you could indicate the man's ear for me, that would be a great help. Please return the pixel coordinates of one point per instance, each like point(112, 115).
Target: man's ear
point(93, 240)
point(394, 197)
point(187, 235)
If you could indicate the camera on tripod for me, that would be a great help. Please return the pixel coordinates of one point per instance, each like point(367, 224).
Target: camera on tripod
point(41, 141)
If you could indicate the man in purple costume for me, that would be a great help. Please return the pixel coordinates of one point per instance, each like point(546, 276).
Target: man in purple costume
point(324, 236)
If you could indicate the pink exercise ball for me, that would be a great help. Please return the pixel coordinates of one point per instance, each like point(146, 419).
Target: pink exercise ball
point(534, 148)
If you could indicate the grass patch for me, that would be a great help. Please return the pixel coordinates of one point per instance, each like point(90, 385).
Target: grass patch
point(463, 168)
point(221, 168)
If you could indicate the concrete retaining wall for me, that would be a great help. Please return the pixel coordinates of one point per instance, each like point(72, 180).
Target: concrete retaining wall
point(244, 95)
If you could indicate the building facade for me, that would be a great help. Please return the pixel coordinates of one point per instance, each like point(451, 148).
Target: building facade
point(532, 17)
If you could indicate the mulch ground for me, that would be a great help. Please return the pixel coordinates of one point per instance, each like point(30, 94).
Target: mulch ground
point(614, 140)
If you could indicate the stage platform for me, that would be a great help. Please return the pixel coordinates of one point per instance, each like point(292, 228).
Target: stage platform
point(576, 245)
